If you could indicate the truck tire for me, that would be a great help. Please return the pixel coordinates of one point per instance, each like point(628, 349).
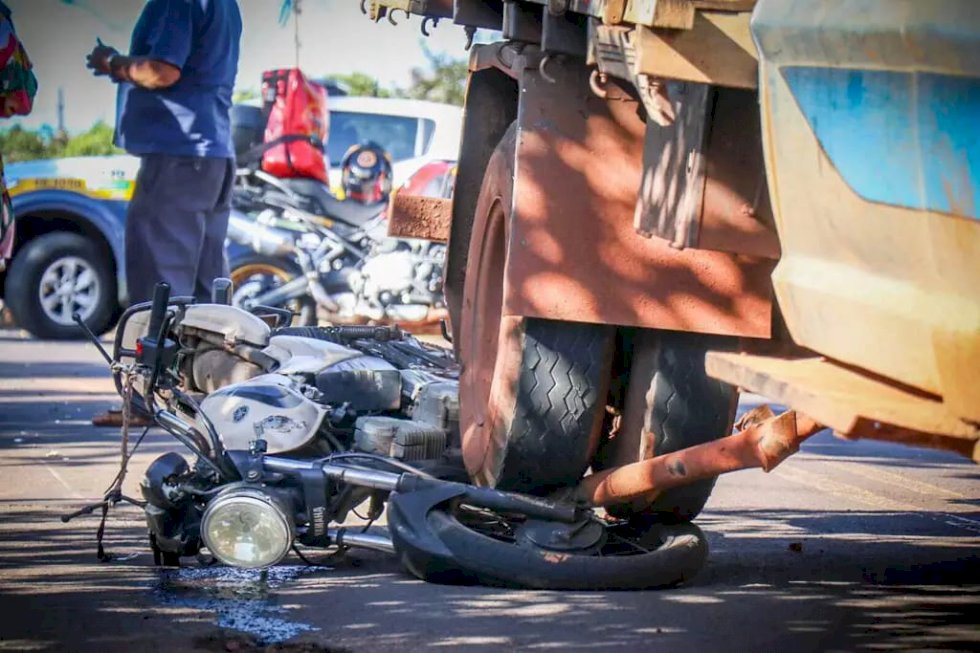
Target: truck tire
point(532, 391)
point(56, 275)
point(681, 406)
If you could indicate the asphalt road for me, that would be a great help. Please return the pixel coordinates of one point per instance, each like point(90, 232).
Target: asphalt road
point(846, 546)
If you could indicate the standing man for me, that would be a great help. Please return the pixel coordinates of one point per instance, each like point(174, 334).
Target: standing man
point(173, 111)
point(175, 89)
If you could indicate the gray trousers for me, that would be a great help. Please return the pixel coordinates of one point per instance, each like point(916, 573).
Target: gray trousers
point(176, 225)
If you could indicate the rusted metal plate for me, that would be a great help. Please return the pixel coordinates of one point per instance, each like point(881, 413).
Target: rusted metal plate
point(704, 181)
point(574, 254)
point(411, 216)
point(718, 49)
point(737, 212)
point(671, 195)
point(854, 404)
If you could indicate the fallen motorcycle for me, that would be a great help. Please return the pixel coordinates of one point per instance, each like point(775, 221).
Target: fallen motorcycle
point(291, 429)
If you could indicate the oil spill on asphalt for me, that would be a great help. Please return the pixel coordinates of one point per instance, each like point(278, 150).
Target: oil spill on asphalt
point(243, 600)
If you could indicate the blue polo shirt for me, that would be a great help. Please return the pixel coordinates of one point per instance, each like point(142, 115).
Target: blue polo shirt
point(191, 118)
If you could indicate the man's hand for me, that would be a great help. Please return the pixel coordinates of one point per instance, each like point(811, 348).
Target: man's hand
point(141, 71)
point(98, 59)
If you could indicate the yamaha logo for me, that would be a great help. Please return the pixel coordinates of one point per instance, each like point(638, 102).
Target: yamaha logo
point(319, 521)
point(239, 414)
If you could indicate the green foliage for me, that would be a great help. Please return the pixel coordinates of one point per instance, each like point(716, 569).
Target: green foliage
point(19, 144)
point(360, 84)
point(443, 81)
point(97, 141)
point(244, 95)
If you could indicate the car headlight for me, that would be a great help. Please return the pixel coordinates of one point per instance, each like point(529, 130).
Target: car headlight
point(246, 527)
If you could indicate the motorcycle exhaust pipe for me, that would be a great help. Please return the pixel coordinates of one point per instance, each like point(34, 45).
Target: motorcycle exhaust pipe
point(362, 477)
point(478, 496)
point(278, 296)
point(346, 537)
point(261, 238)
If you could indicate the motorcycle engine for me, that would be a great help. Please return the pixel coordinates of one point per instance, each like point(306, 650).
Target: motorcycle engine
point(401, 280)
point(404, 439)
point(392, 272)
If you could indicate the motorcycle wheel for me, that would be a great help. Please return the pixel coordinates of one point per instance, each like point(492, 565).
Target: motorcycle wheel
point(254, 273)
point(465, 546)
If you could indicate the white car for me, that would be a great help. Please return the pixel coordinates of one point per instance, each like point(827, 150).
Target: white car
point(413, 132)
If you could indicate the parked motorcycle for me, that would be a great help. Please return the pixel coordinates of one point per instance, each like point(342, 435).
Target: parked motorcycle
point(307, 251)
point(293, 428)
point(344, 265)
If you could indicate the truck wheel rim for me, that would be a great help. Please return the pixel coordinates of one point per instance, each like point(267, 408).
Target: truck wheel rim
point(69, 285)
point(482, 318)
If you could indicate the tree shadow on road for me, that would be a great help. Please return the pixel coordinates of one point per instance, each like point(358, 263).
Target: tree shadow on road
point(855, 583)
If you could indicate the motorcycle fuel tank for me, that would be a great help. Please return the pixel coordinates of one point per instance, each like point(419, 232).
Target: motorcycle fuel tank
point(266, 407)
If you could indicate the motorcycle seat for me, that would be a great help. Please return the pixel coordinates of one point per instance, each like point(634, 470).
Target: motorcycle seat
point(354, 214)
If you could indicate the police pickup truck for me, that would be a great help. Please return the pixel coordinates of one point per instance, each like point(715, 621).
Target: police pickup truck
point(67, 257)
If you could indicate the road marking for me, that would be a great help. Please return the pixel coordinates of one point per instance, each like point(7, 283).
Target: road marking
point(827, 484)
point(880, 475)
point(63, 482)
point(855, 493)
point(964, 522)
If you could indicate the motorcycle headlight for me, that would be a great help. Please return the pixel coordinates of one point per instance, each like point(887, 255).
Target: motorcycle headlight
point(245, 527)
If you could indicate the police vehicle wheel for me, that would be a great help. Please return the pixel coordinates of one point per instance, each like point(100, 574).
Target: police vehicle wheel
point(53, 277)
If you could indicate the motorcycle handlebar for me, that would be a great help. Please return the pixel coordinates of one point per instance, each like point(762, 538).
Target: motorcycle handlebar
point(158, 311)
